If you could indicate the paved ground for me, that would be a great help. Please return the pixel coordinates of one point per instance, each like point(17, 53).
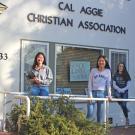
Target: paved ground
point(123, 131)
point(3, 133)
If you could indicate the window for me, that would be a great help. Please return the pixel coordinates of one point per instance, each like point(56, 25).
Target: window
point(29, 49)
point(69, 57)
point(117, 56)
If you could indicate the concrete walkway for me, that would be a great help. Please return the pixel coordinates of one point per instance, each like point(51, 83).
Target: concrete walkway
point(122, 131)
point(3, 133)
point(6, 133)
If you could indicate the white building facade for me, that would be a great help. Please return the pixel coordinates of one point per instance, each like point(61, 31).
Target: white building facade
point(70, 33)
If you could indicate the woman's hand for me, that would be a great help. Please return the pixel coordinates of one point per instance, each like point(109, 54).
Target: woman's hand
point(36, 80)
point(90, 101)
point(109, 98)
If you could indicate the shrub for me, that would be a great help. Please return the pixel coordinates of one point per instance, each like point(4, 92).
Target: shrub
point(52, 117)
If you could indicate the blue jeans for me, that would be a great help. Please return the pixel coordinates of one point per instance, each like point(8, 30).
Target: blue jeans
point(39, 91)
point(122, 104)
point(100, 107)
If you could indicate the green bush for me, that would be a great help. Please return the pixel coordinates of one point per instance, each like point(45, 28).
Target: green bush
point(52, 117)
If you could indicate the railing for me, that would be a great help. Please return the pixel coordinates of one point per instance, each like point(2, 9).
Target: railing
point(76, 98)
point(18, 95)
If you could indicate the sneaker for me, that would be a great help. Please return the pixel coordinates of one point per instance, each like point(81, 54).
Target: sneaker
point(127, 123)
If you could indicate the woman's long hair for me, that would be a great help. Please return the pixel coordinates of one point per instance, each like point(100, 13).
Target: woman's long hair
point(125, 73)
point(106, 62)
point(35, 59)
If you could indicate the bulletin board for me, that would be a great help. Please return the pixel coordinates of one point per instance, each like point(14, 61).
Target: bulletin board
point(79, 70)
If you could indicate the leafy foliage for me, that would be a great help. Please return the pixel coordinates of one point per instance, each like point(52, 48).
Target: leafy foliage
point(52, 117)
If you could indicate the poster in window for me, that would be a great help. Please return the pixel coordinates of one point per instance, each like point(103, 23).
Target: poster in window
point(29, 49)
point(79, 70)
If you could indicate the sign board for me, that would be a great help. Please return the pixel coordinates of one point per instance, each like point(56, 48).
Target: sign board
point(79, 70)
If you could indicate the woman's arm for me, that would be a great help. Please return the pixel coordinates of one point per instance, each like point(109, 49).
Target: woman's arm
point(126, 88)
point(116, 87)
point(49, 77)
point(109, 84)
point(90, 84)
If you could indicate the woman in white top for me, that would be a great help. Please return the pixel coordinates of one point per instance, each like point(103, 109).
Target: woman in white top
point(99, 83)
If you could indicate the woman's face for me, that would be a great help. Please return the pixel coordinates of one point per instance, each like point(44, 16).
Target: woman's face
point(40, 59)
point(101, 62)
point(121, 67)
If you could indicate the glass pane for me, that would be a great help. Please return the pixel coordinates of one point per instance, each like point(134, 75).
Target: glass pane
point(82, 56)
point(29, 51)
point(116, 58)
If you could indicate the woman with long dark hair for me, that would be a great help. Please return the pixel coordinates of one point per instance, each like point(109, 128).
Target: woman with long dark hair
point(121, 81)
point(41, 76)
point(99, 83)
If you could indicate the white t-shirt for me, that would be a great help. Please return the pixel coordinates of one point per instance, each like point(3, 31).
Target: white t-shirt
point(99, 80)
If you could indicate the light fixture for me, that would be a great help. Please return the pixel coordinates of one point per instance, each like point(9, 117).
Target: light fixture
point(2, 8)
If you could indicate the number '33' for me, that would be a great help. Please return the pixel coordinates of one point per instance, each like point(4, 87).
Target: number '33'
point(3, 56)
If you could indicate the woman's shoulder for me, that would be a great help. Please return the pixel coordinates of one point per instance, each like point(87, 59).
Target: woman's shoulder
point(107, 71)
point(46, 67)
point(94, 70)
point(116, 74)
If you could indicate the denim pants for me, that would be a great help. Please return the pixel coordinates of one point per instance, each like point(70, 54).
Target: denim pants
point(122, 104)
point(100, 107)
point(39, 91)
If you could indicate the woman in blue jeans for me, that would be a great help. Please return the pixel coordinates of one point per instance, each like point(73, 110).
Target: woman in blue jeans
point(99, 83)
point(40, 76)
point(121, 81)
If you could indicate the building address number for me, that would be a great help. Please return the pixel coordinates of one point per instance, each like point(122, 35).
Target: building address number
point(3, 56)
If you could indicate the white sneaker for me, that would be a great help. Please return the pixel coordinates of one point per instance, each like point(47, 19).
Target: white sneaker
point(127, 123)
